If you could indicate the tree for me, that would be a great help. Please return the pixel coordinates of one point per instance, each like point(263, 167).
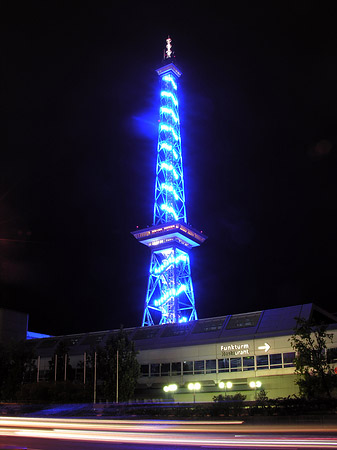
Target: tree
point(128, 368)
point(61, 358)
point(315, 377)
point(231, 405)
point(16, 359)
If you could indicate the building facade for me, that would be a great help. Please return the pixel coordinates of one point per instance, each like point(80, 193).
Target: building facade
point(240, 353)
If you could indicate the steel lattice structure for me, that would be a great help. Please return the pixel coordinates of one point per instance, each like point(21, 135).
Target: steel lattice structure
point(170, 297)
point(169, 201)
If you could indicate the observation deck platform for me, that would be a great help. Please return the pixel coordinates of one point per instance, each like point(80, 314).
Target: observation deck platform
point(171, 233)
point(169, 68)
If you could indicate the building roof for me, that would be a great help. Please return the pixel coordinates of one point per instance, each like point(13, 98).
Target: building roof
point(258, 324)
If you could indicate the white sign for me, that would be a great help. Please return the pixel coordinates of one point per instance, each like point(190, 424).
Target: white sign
point(264, 347)
point(235, 349)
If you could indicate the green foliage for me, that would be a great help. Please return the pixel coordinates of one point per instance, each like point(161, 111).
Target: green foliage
point(293, 406)
point(229, 405)
point(46, 392)
point(106, 369)
point(262, 404)
point(61, 356)
point(229, 398)
point(60, 392)
point(128, 368)
point(262, 398)
point(219, 398)
point(15, 361)
point(18, 374)
point(315, 377)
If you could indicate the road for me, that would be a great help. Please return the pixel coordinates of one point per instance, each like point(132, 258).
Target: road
point(83, 434)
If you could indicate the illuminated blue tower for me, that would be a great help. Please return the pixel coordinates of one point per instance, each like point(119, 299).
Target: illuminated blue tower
point(169, 297)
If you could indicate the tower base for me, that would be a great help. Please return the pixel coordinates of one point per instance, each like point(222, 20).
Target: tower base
point(170, 296)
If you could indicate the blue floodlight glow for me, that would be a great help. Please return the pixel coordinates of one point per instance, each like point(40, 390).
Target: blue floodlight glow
point(170, 111)
point(168, 147)
point(169, 296)
point(169, 210)
point(170, 79)
point(171, 96)
point(183, 320)
point(168, 262)
point(170, 168)
point(170, 129)
point(165, 146)
point(170, 188)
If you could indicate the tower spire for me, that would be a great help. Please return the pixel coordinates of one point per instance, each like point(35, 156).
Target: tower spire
point(168, 51)
point(170, 296)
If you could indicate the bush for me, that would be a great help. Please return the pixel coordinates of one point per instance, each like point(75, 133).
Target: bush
point(60, 392)
point(293, 406)
point(231, 405)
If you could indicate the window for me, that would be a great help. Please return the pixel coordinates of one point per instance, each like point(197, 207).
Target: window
point(276, 361)
point(146, 333)
point(243, 321)
point(211, 366)
point(73, 340)
point(144, 370)
point(332, 355)
point(207, 326)
point(199, 366)
point(93, 339)
point(262, 362)
point(248, 363)
point(288, 359)
point(187, 367)
point(178, 329)
point(48, 343)
point(155, 370)
point(236, 364)
point(165, 369)
point(223, 365)
point(176, 368)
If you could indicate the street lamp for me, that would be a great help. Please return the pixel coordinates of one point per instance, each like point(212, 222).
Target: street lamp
point(255, 385)
point(170, 388)
point(227, 385)
point(194, 387)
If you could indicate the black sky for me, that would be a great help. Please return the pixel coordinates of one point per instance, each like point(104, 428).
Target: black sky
point(258, 110)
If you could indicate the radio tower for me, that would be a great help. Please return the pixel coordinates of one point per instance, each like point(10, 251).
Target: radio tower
point(169, 297)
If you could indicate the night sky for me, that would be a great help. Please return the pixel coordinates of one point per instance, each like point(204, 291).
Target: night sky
point(258, 110)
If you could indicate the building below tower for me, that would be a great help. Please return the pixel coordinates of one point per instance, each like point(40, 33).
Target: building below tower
point(228, 352)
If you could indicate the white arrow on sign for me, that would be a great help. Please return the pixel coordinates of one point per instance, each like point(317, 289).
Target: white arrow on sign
point(264, 347)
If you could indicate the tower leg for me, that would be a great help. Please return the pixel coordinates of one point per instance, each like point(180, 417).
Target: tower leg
point(170, 296)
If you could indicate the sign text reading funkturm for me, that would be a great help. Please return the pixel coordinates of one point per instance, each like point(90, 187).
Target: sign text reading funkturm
point(235, 349)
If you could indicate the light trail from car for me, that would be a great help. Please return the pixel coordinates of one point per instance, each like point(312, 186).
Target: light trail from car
point(165, 433)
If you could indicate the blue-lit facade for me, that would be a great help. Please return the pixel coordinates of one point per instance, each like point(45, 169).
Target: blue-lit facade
point(169, 296)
